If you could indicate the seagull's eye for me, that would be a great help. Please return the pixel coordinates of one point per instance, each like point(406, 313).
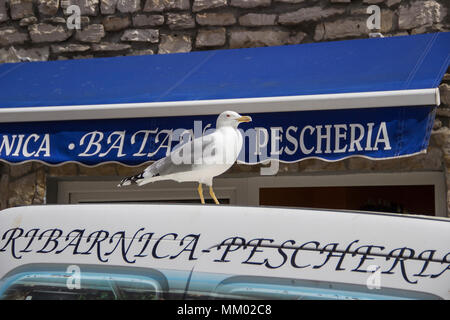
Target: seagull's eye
point(228, 115)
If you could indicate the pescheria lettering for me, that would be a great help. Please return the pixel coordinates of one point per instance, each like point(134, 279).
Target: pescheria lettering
point(319, 139)
point(257, 252)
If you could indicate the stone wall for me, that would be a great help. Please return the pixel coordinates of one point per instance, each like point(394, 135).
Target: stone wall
point(40, 29)
point(33, 30)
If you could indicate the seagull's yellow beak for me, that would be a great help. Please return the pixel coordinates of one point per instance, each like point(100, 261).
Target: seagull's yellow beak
point(244, 119)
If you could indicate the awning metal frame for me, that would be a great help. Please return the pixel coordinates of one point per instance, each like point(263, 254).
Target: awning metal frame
point(360, 100)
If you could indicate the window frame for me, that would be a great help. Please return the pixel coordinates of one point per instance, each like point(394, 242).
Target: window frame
point(436, 179)
point(243, 189)
point(72, 192)
point(109, 276)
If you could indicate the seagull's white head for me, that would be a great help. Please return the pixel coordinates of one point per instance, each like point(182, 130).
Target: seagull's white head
point(231, 119)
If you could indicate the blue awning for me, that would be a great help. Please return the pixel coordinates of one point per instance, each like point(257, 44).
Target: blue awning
point(370, 97)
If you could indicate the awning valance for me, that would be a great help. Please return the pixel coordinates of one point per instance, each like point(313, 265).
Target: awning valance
point(369, 97)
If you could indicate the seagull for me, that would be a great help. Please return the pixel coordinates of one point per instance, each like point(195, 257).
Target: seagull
point(199, 160)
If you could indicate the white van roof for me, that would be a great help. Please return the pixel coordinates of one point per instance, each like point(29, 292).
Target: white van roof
point(326, 245)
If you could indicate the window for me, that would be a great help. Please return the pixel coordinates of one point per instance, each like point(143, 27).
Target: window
point(406, 192)
point(399, 199)
point(261, 288)
point(228, 191)
point(93, 283)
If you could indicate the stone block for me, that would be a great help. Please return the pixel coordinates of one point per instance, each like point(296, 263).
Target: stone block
point(92, 33)
point(200, 5)
point(177, 21)
point(8, 56)
point(87, 7)
point(298, 1)
point(162, 5)
point(420, 13)
point(69, 48)
point(54, 20)
point(308, 14)
point(444, 90)
point(257, 19)
point(440, 138)
point(32, 54)
point(48, 7)
point(22, 190)
point(391, 3)
point(387, 21)
point(250, 3)
point(148, 20)
point(175, 43)
point(154, 6)
point(141, 35)
point(25, 55)
point(43, 32)
point(215, 18)
point(373, 1)
point(142, 52)
point(128, 6)
point(211, 37)
point(259, 38)
point(110, 46)
point(10, 35)
point(115, 23)
point(341, 28)
point(108, 6)
point(20, 9)
point(28, 21)
point(296, 37)
point(3, 11)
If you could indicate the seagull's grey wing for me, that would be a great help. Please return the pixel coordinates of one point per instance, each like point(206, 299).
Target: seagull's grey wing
point(182, 159)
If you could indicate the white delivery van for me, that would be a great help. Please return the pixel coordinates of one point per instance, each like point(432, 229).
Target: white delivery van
point(162, 251)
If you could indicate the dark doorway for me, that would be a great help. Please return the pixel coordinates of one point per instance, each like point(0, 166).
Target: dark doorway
point(398, 199)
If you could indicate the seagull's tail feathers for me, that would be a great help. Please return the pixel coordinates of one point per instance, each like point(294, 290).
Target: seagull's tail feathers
point(128, 181)
point(150, 174)
point(138, 179)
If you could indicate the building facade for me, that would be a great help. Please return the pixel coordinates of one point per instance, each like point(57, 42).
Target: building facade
point(52, 30)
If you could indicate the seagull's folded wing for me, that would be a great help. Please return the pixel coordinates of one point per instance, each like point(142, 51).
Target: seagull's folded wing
point(183, 158)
